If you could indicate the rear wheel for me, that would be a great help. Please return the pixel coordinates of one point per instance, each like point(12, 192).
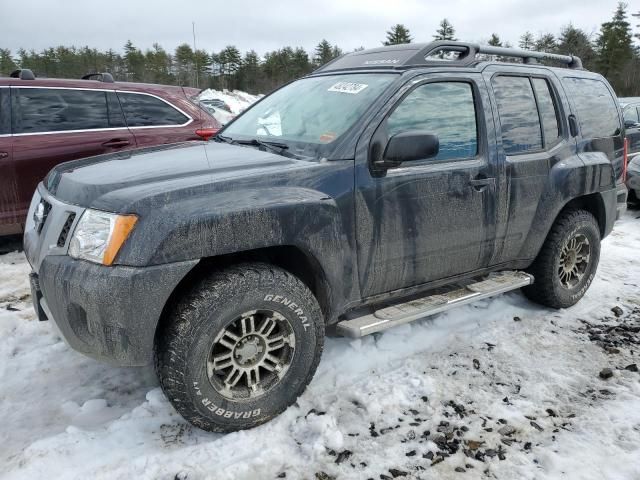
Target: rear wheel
point(567, 262)
point(240, 348)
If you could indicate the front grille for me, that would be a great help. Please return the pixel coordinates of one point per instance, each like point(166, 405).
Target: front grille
point(66, 228)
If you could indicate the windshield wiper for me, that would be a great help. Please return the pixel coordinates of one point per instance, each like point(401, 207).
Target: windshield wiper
point(275, 147)
point(224, 139)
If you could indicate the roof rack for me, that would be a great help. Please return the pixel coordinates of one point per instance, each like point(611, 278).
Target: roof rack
point(23, 74)
point(101, 77)
point(426, 54)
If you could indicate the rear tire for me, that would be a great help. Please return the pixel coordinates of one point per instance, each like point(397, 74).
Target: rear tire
point(240, 347)
point(567, 262)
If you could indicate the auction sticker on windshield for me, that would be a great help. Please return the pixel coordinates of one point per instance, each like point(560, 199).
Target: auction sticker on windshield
point(347, 87)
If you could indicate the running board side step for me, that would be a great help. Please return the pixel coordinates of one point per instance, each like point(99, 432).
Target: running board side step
point(400, 314)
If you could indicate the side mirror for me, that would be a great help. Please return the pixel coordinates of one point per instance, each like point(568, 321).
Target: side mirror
point(411, 145)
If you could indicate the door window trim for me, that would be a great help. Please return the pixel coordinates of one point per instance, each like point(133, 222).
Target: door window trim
point(429, 164)
point(84, 130)
point(556, 103)
point(189, 118)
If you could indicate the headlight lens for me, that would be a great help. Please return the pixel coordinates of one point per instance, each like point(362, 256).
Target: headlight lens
point(99, 236)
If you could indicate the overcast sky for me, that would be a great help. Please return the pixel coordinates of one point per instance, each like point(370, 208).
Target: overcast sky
point(265, 26)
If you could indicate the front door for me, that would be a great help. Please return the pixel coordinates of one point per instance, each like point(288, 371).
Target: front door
point(434, 218)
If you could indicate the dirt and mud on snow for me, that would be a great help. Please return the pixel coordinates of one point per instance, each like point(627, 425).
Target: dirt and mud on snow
point(499, 389)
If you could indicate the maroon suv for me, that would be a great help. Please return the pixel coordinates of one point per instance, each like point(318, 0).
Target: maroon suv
point(44, 122)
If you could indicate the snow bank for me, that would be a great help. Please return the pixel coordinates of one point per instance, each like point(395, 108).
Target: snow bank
point(236, 99)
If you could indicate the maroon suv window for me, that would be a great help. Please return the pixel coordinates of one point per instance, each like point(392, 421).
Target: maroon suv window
point(39, 110)
point(147, 111)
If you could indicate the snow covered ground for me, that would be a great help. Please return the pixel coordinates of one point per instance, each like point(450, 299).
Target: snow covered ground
point(499, 389)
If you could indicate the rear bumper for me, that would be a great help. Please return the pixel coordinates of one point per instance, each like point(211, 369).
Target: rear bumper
point(107, 313)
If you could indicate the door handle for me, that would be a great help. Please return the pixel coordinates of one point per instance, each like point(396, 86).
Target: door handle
point(116, 143)
point(4, 154)
point(481, 183)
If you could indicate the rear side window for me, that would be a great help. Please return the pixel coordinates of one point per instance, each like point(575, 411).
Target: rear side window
point(518, 113)
point(446, 109)
point(548, 112)
point(38, 110)
point(147, 111)
point(595, 107)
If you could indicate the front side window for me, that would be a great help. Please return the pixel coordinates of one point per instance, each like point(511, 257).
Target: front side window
point(147, 111)
point(39, 110)
point(313, 111)
point(445, 109)
point(518, 114)
point(595, 107)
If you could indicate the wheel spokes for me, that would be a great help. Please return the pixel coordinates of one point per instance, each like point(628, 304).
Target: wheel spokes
point(251, 354)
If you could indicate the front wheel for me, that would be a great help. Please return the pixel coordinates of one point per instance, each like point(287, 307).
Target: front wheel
point(567, 262)
point(240, 348)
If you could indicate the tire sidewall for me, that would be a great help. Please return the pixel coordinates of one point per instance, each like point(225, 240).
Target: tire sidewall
point(303, 316)
point(571, 296)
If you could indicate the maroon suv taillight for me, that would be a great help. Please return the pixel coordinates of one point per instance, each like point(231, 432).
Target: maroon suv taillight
point(206, 133)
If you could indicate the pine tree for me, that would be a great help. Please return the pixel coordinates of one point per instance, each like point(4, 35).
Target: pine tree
point(134, 62)
point(445, 31)
point(7, 65)
point(546, 43)
point(183, 63)
point(495, 41)
point(614, 48)
point(397, 35)
point(230, 61)
point(573, 41)
point(323, 53)
point(526, 41)
point(249, 72)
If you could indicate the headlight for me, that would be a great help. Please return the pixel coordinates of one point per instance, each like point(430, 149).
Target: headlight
point(99, 235)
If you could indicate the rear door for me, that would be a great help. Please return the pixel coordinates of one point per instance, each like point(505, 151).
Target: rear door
point(55, 125)
point(8, 186)
point(532, 137)
point(155, 121)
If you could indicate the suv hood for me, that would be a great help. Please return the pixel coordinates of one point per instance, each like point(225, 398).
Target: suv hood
point(113, 182)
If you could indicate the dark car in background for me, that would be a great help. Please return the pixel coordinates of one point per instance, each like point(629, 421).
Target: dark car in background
point(44, 122)
point(631, 113)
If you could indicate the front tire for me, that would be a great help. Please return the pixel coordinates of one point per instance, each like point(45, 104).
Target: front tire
point(567, 262)
point(240, 347)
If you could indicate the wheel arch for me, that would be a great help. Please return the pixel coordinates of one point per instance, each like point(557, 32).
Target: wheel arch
point(288, 257)
point(592, 203)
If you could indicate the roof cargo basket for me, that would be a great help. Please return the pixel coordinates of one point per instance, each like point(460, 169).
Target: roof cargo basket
point(23, 74)
point(458, 54)
point(101, 77)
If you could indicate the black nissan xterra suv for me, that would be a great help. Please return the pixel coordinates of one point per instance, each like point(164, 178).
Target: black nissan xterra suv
point(388, 185)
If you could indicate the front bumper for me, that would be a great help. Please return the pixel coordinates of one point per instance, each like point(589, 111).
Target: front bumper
point(107, 313)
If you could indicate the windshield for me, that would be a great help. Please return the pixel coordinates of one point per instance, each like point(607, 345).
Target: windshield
point(314, 110)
